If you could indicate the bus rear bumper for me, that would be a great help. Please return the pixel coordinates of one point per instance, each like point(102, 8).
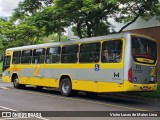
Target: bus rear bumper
point(128, 86)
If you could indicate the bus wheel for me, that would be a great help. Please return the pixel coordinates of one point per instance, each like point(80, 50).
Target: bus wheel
point(16, 83)
point(66, 87)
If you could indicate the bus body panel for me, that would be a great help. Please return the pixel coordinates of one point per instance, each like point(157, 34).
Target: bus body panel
point(6, 75)
point(6, 78)
point(143, 74)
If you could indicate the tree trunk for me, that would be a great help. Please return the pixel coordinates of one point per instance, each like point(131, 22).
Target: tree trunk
point(59, 31)
point(79, 30)
point(88, 29)
point(129, 22)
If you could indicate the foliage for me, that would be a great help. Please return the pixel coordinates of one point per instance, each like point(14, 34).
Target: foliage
point(7, 36)
point(28, 8)
point(53, 38)
point(86, 16)
point(49, 20)
point(90, 17)
point(19, 35)
point(34, 19)
point(129, 11)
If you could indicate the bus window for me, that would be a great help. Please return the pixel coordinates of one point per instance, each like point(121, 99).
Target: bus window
point(89, 52)
point(69, 54)
point(6, 62)
point(38, 56)
point(112, 51)
point(53, 55)
point(144, 50)
point(16, 57)
point(26, 56)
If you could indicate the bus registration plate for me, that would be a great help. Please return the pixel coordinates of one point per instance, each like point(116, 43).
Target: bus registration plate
point(145, 88)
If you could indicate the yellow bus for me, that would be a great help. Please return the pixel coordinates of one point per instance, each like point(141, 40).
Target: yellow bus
point(113, 63)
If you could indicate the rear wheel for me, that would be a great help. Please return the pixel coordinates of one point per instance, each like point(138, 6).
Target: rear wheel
point(16, 83)
point(66, 87)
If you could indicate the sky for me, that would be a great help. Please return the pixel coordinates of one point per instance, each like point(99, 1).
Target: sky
point(7, 6)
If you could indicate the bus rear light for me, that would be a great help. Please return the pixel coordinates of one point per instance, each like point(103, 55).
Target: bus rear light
point(130, 75)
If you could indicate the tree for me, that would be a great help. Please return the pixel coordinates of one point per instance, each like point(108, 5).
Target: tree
point(53, 38)
point(28, 34)
point(50, 20)
point(86, 17)
point(19, 35)
point(29, 7)
point(90, 17)
point(7, 36)
point(130, 11)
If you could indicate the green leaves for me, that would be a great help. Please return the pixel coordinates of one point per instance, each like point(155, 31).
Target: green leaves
point(17, 35)
point(37, 19)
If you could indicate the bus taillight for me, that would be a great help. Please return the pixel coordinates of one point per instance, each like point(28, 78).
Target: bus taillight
point(130, 75)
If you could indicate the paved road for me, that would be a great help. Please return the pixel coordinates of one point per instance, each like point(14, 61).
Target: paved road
point(30, 99)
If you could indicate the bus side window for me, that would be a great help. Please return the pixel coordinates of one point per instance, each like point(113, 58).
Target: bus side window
point(89, 52)
point(26, 56)
point(69, 53)
point(38, 56)
point(111, 51)
point(16, 57)
point(53, 55)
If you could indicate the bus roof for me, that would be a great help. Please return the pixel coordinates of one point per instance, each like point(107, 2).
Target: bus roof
point(45, 45)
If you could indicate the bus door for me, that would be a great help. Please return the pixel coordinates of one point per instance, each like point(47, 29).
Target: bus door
point(51, 65)
point(143, 67)
point(38, 66)
point(6, 76)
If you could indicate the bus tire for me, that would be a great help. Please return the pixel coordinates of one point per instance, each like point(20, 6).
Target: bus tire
point(66, 87)
point(16, 83)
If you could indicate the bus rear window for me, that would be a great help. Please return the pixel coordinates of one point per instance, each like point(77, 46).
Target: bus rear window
point(144, 50)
